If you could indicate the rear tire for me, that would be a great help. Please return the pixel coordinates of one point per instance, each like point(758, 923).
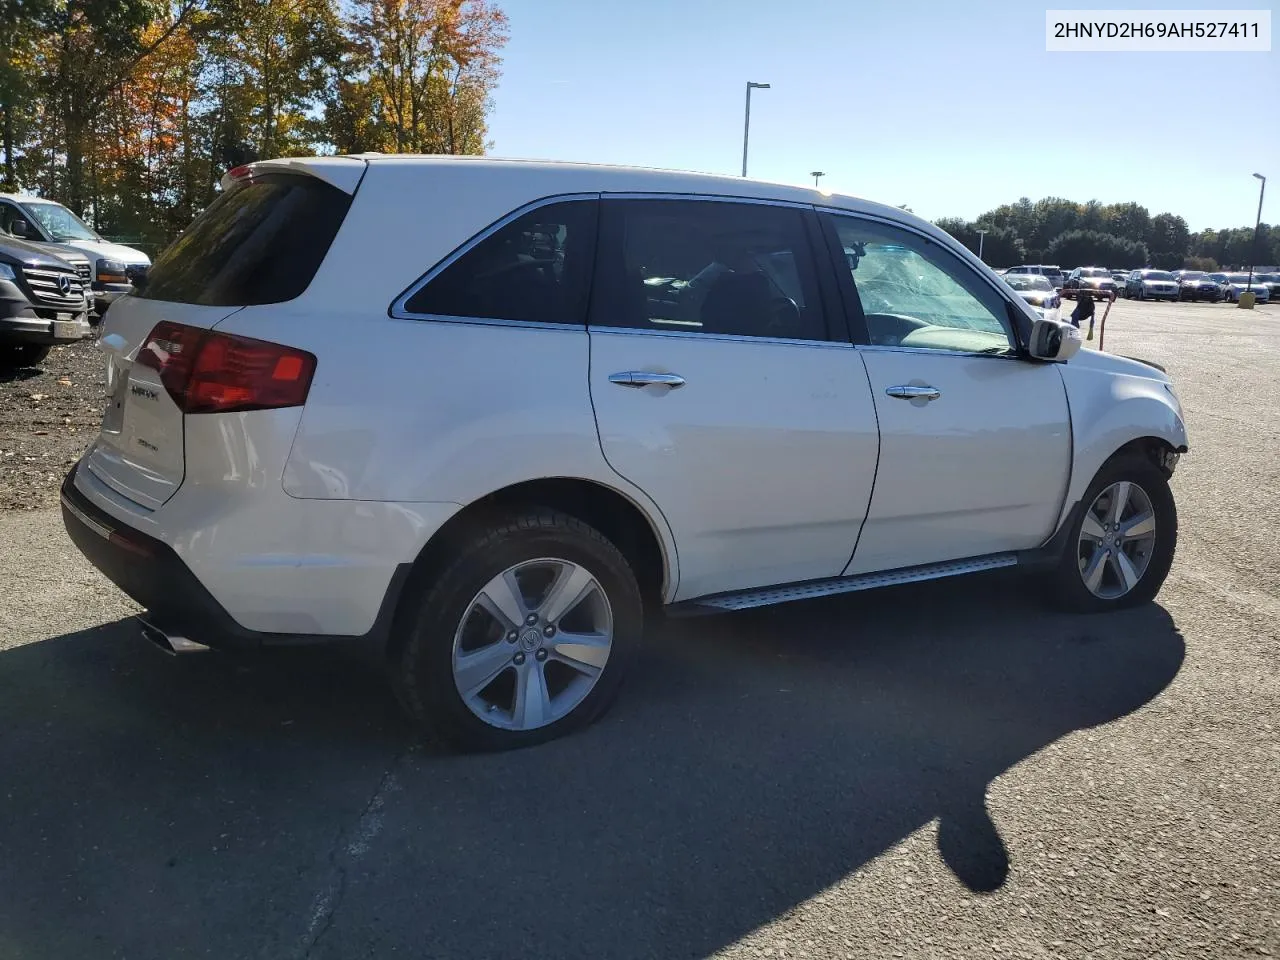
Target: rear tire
point(1110, 562)
point(15, 356)
point(467, 671)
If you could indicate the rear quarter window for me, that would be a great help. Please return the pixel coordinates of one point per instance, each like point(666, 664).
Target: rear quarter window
point(260, 242)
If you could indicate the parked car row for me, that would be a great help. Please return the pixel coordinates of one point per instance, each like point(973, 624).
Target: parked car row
point(111, 267)
point(56, 275)
point(1151, 284)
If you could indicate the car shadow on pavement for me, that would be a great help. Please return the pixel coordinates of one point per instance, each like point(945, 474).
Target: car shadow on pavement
point(165, 808)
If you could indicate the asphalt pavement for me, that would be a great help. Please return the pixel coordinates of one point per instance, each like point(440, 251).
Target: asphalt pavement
point(942, 770)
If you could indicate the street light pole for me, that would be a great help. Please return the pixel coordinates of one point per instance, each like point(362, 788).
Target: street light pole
point(1257, 229)
point(816, 174)
point(746, 124)
point(982, 235)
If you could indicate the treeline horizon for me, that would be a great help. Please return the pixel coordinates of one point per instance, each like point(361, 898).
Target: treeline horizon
point(1115, 235)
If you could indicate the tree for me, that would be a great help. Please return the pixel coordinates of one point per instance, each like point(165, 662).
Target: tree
point(1018, 217)
point(1054, 216)
point(1128, 220)
point(1001, 247)
point(1207, 264)
point(20, 28)
point(90, 49)
point(271, 59)
point(1093, 248)
point(1168, 240)
point(427, 68)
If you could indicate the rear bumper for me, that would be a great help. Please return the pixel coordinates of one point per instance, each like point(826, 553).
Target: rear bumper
point(154, 576)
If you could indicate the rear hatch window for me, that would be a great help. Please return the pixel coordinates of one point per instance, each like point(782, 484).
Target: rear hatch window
point(260, 242)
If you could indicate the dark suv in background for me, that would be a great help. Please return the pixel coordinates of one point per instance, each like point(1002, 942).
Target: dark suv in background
point(42, 303)
point(1094, 280)
point(1197, 285)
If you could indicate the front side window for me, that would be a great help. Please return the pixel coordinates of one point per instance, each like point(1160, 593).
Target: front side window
point(535, 269)
point(915, 293)
point(706, 266)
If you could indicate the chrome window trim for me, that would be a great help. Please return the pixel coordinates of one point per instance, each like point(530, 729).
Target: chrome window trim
point(398, 310)
point(489, 322)
point(706, 198)
point(886, 348)
point(724, 337)
point(911, 228)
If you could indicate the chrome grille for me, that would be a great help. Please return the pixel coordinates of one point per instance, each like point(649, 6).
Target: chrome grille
point(46, 289)
point(83, 270)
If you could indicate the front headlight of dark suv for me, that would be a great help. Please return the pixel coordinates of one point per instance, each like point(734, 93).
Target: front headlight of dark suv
point(7, 272)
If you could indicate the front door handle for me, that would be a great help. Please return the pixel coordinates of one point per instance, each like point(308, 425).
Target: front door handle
point(644, 378)
point(914, 393)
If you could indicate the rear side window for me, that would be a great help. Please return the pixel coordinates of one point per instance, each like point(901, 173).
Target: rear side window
point(535, 269)
point(260, 242)
point(704, 266)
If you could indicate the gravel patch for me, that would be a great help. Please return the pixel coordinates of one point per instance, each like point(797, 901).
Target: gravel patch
point(48, 416)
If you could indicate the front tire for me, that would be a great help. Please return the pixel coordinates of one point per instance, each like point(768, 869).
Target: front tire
point(525, 637)
point(1121, 545)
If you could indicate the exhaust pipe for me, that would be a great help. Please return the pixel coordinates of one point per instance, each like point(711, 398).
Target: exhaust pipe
point(169, 643)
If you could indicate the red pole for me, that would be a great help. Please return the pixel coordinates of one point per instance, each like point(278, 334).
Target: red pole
point(1102, 326)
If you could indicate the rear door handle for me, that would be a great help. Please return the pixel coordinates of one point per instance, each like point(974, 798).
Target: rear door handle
point(914, 393)
point(644, 378)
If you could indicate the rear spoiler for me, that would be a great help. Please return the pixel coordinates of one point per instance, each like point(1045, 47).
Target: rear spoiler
point(345, 173)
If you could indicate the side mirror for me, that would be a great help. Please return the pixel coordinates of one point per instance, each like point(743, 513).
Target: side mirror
point(19, 229)
point(1054, 340)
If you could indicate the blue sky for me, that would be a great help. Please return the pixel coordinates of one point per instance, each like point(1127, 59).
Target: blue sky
point(950, 108)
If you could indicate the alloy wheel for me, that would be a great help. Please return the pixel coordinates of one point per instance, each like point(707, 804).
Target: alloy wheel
point(532, 644)
point(1117, 539)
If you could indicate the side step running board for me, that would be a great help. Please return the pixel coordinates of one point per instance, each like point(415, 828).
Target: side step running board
point(766, 596)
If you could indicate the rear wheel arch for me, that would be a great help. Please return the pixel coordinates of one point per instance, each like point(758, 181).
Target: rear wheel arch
point(614, 514)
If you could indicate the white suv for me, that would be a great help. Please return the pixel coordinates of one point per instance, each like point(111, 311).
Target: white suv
point(484, 413)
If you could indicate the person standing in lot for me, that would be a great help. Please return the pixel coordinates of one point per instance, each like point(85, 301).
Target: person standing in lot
point(1083, 310)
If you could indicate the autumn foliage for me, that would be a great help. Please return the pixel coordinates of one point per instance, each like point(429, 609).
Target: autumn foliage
point(131, 110)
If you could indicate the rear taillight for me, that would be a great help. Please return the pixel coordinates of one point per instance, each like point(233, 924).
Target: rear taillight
point(210, 372)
